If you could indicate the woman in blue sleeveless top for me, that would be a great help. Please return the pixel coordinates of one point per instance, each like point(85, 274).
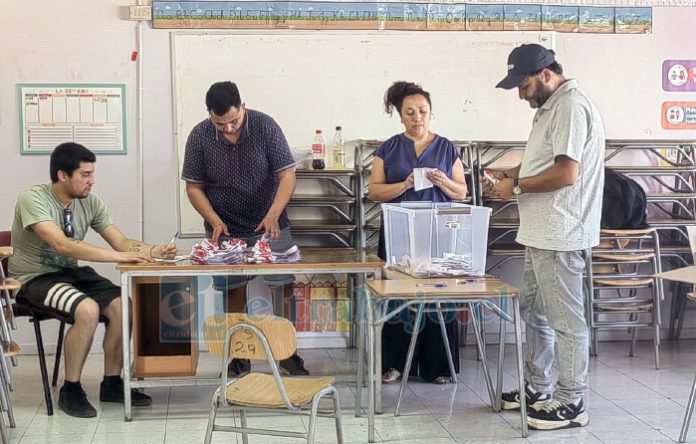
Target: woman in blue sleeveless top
point(392, 181)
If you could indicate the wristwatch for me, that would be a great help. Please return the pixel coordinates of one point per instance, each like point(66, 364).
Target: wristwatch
point(516, 189)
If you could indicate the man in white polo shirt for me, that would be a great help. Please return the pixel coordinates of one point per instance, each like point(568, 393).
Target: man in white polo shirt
point(558, 187)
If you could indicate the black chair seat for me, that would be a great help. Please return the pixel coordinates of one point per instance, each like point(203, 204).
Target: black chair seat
point(36, 314)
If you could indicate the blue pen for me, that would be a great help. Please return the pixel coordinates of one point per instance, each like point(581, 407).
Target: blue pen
point(438, 285)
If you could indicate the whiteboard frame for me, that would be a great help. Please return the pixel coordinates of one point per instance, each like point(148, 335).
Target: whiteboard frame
point(550, 42)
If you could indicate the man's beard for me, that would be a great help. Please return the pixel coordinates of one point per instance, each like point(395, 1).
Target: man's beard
point(540, 96)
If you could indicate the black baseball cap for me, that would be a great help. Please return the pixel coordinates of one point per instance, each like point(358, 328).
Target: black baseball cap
point(525, 60)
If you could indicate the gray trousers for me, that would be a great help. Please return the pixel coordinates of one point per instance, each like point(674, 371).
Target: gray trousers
point(552, 306)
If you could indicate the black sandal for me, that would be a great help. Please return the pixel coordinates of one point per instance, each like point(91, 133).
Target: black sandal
point(442, 380)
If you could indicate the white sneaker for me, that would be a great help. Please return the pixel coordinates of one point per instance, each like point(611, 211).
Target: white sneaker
point(534, 399)
point(391, 376)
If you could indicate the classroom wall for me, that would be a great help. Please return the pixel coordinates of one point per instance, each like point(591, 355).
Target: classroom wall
point(41, 43)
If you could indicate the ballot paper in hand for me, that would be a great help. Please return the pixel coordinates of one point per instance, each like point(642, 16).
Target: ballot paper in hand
point(420, 181)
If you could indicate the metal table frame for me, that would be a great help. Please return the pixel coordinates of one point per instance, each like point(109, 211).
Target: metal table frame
point(688, 276)
point(372, 302)
point(332, 262)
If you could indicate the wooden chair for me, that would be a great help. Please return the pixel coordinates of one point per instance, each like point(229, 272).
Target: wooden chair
point(269, 338)
point(623, 267)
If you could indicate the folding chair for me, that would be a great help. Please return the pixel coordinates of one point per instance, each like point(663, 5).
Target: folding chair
point(270, 338)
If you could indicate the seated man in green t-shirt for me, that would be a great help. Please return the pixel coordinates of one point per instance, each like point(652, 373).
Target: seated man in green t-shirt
point(48, 231)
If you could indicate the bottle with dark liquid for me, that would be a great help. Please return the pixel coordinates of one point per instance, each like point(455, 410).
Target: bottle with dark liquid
point(318, 151)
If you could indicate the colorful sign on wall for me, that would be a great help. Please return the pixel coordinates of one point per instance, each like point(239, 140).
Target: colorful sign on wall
point(679, 115)
point(679, 75)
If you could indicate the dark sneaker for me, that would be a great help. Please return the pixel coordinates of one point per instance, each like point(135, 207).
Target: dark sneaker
point(294, 365)
point(112, 391)
point(74, 402)
point(238, 368)
point(556, 415)
point(511, 400)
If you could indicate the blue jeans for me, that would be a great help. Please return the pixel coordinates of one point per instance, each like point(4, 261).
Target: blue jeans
point(552, 307)
point(222, 283)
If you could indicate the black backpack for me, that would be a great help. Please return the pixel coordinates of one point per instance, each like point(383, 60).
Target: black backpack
point(624, 205)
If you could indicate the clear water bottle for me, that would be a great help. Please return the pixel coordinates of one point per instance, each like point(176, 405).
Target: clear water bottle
point(318, 151)
point(339, 150)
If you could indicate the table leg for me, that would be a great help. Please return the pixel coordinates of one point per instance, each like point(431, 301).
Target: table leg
point(125, 310)
point(350, 291)
point(361, 338)
point(378, 366)
point(501, 360)
point(480, 344)
point(371, 373)
point(445, 341)
point(409, 356)
point(688, 413)
point(520, 360)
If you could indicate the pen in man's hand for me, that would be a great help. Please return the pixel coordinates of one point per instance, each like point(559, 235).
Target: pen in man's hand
point(174, 238)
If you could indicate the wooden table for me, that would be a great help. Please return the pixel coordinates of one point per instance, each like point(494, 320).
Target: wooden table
point(350, 262)
point(418, 293)
point(686, 275)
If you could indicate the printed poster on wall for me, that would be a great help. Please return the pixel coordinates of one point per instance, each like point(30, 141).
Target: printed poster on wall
point(679, 115)
point(679, 75)
point(89, 114)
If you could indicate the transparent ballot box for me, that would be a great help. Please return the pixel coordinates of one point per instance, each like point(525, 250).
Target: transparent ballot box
point(426, 239)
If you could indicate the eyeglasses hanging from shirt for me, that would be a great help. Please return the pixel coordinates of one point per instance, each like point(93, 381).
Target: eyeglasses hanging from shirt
point(68, 223)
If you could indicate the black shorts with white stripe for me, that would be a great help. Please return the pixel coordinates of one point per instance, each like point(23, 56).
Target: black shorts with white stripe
point(63, 290)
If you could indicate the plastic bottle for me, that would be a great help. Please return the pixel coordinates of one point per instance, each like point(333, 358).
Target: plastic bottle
point(318, 151)
point(339, 150)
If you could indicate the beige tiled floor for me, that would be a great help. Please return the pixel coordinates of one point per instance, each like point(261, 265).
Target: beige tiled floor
point(628, 402)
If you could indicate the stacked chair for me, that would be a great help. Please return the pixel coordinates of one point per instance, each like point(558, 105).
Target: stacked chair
point(9, 349)
point(624, 292)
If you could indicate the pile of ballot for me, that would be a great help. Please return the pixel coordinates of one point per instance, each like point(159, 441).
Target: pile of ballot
point(448, 265)
point(235, 251)
point(453, 264)
point(262, 254)
point(207, 252)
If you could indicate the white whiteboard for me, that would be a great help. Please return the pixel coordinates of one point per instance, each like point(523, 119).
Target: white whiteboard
point(313, 80)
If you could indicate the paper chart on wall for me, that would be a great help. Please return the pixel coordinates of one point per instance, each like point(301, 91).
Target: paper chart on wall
point(89, 114)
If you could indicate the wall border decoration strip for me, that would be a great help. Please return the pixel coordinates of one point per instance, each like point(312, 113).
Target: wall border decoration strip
point(405, 16)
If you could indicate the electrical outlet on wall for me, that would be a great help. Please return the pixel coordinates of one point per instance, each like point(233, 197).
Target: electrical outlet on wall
point(139, 12)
